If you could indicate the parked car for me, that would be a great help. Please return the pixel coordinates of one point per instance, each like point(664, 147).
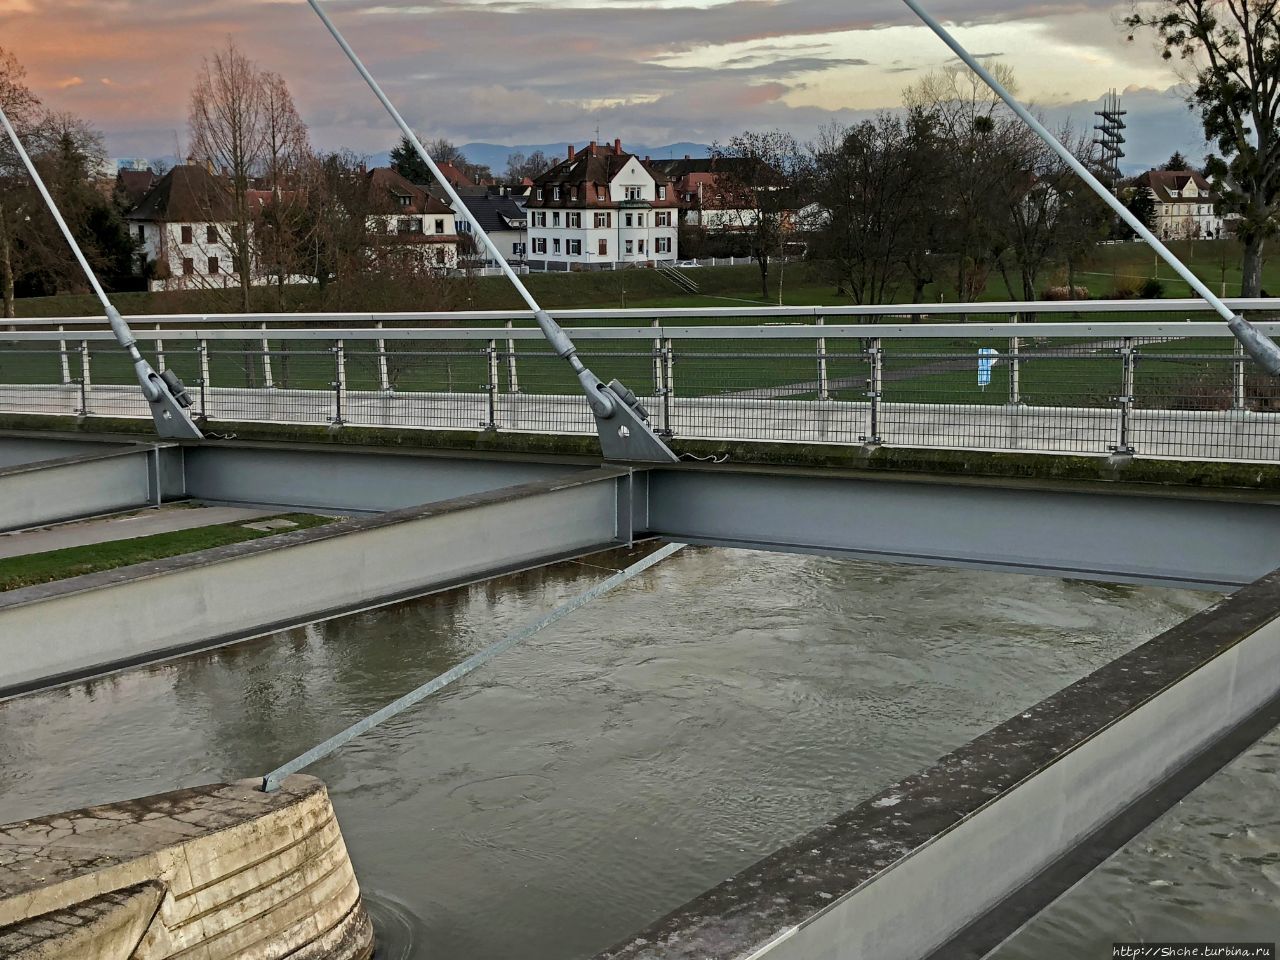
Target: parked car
point(686, 264)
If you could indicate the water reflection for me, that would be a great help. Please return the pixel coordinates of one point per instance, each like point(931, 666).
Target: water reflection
point(618, 764)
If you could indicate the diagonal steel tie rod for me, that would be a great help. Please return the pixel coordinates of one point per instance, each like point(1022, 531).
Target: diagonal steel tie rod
point(165, 393)
point(1260, 347)
point(621, 422)
point(271, 782)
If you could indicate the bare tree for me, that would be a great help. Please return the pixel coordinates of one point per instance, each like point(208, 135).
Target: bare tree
point(756, 178)
point(982, 143)
point(874, 191)
point(519, 166)
point(229, 130)
point(1231, 51)
point(287, 142)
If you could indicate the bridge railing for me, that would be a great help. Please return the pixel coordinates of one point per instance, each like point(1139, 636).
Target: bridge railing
point(1073, 385)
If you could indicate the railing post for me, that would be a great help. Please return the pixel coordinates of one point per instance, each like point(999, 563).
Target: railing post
point(339, 383)
point(668, 360)
point(1238, 399)
point(875, 391)
point(824, 383)
point(513, 380)
point(86, 374)
point(384, 371)
point(1129, 357)
point(268, 380)
point(491, 388)
point(202, 352)
point(659, 378)
point(159, 351)
point(64, 360)
point(1015, 368)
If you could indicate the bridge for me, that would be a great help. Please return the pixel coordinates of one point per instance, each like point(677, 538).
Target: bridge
point(1129, 442)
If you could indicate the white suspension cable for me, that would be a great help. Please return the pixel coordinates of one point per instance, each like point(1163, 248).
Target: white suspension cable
point(1261, 348)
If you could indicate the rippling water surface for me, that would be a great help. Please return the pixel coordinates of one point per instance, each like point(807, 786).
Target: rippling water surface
point(621, 762)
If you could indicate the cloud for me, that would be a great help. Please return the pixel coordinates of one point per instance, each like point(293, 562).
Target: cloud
point(544, 70)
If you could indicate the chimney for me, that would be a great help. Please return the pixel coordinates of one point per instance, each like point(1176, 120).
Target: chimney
point(593, 148)
point(646, 159)
point(571, 151)
point(686, 156)
point(617, 147)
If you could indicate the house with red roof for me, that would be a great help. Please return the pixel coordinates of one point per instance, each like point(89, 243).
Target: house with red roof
point(1186, 205)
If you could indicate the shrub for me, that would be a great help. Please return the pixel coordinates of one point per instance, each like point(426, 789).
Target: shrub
point(1151, 289)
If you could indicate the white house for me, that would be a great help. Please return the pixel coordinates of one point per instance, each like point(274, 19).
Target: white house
point(601, 208)
point(503, 218)
point(404, 216)
point(184, 224)
point(1186, 206)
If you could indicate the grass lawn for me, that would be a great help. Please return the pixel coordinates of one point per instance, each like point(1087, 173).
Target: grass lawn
point(38, 568)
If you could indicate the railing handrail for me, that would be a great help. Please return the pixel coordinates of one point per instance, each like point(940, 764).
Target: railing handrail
point(1008, 308)
point(1098, 330)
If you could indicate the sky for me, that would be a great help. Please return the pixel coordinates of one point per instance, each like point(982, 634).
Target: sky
point(540, 71)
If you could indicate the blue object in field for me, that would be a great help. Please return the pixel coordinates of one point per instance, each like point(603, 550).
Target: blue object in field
point(987, 359)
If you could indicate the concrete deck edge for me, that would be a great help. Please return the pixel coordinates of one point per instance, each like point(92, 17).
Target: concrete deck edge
point(59, 589)
point(1031, 466)
point(762, 910)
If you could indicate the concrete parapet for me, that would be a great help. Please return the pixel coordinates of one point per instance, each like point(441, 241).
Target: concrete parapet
point(211, 873)
point(945, 864)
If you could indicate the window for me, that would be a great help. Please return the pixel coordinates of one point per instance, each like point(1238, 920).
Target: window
point(555, 245)
point(186, 234)
point(662, 245)
point(539, 193)
point(439, 225)
point(604, 220)
point(464, 226)
point(662, 218)
point(404, 225)
point(575, 248)
point(440, 255)
point(540, 245)
point(142, 233)
point(211, 234)
point(403, 200)
point(517, 249)
point(188, 266)
point(214, 269)
point(641, 247)
point(540, 219)
point(633, 193)
point(575, 220)
point(555, 219)
point(639, 219)
point(630, 219)
point(662, 191)
point(604, 248)
point(555, 193)
point(573, 193)
point(631, 244)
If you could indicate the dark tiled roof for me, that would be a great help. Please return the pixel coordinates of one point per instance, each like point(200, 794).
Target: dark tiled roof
point(386, 187)
point(187, 194)
point(590, 170)
point(133, 185)
point(495, 213)
point(1163, 182)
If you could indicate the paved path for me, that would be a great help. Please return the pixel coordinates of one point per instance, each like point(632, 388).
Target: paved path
point(109, 529)
point(1240, 435)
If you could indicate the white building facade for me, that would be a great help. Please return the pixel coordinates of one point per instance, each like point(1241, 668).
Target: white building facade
point(601, 208)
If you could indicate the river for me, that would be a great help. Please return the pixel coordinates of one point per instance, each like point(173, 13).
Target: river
point(627, 758)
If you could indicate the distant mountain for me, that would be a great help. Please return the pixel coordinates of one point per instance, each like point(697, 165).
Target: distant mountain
point(494, 155)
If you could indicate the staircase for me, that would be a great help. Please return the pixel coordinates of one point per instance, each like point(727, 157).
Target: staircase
point(679, 278)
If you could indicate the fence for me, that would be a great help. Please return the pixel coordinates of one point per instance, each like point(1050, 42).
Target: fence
point(1168, 388)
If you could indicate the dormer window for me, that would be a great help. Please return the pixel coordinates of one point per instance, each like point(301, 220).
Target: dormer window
point(539, 193)
point(555, 193)
point(573, 194)
point(403, 200)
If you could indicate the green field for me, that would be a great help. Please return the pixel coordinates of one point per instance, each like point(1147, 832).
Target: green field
point(701, 368)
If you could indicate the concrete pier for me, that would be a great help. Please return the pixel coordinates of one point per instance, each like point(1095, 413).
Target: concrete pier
point(214, 873)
